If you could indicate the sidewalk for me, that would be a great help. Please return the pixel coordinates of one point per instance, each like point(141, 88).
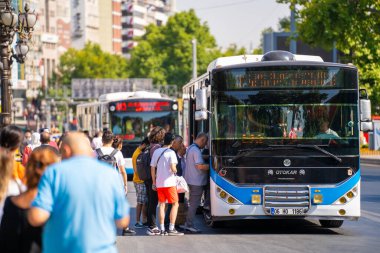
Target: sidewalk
point(370, 159)
point(369, 156)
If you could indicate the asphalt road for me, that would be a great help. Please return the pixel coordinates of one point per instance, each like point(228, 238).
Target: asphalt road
point(274, 235)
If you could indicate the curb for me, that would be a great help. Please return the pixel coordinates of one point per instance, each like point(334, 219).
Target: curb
point(370, 161)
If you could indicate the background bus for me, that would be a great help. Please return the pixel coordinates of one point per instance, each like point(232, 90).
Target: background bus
point(130, 115)
point(284, 137)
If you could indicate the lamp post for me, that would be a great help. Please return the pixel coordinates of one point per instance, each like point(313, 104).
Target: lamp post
point(10, 25)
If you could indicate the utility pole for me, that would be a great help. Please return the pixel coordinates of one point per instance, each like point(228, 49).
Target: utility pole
point(293, 42)
point(194, 42)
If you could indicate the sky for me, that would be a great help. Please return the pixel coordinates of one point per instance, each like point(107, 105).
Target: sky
point(237, 21)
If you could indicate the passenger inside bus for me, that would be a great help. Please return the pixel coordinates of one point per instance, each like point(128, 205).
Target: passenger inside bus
point(116, 129)
point(325, 132)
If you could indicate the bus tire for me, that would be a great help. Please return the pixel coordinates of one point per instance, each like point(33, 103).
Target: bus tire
point(331, 223)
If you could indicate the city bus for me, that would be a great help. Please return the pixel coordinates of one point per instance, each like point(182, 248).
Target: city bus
point(283, 137)
point(129, 115)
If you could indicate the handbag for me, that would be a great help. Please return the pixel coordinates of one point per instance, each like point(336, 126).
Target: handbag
point(182, 186)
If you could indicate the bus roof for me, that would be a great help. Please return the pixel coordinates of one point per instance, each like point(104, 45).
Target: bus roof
point(241, 59)
point(125, 95)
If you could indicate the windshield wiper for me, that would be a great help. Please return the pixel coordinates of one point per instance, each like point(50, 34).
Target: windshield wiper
point(316, 147)
point(248, 152)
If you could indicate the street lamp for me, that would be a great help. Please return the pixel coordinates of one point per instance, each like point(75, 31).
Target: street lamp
point(11, 24)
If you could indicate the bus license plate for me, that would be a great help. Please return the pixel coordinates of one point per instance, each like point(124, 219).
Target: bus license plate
point(287, 211)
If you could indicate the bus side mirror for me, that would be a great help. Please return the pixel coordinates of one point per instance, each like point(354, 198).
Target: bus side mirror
point(200, 115)
point(200, 105)
point(200, 99)
point(365, 112)
point(366, 126)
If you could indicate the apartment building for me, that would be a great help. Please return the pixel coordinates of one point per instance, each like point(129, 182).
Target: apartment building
point(137, 14)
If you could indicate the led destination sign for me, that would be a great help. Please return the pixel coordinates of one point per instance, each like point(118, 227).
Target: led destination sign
point(317, 77)
point(142, 106)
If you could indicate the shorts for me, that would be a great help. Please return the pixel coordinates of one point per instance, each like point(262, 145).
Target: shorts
point(168, 194)
point(142, 197)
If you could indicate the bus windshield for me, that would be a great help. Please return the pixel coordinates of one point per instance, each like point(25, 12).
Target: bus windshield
point(134, 126)
point(272, 115)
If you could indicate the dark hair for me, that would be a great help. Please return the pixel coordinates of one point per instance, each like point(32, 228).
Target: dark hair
point(145, 141)
point(116, 142)
point(28, 131)
point(157, 135)
point(45, 138)
point(169, 137)
point(107, 137)
point(11, 137)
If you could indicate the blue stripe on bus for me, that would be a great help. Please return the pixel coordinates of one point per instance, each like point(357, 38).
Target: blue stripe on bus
point(244, 194)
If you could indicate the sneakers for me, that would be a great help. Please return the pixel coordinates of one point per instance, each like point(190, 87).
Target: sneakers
point(129, 232)
point(153, 231)
point(163, 232)
point(139, 225)
point(191, 229)
point(174, 232)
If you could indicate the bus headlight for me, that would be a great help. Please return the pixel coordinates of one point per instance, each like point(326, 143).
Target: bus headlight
point(318, 199)
point(226, 197)
point(348, 196)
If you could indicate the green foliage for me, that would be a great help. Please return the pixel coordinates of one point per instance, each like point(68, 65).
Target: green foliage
point(234, 50)
point(165, 53)
point(90, 62)
point(354, 27)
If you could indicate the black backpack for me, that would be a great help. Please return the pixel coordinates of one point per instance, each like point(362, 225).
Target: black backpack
point(110, 159)
point(143, 165)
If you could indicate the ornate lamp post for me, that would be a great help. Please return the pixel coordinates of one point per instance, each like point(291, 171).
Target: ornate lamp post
point(11, 24)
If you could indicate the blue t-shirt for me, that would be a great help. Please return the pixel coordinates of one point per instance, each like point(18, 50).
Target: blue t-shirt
point(84, 198)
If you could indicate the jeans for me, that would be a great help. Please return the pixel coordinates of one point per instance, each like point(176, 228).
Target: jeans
point(152, 204)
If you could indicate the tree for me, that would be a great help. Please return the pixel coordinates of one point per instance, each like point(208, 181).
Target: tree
point(234, 50)
point(165, 53)
point(352, 25)
point(90, 62)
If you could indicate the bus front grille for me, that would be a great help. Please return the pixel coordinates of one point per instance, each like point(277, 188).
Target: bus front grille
point(292, 197)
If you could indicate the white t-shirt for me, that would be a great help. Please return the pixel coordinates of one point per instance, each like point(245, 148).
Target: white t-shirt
point(164, 176)
point(97, 142)
point(119, 156)
point(15, 187)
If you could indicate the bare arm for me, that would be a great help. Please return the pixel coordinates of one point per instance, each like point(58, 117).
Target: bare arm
point(202, 166)
point(173, 167)
point(122, 223)
point(37, 217)
point(124, 174)
point(153, 173)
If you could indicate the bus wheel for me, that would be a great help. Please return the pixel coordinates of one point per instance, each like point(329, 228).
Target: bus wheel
point(331, 223)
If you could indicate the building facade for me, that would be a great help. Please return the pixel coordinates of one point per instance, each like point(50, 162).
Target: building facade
point(137, 14)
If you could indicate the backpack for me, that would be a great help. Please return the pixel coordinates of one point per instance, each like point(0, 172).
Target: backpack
point(143, 165)
point(110, 159)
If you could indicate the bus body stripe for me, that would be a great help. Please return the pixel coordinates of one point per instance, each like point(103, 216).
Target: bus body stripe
point(244, 194)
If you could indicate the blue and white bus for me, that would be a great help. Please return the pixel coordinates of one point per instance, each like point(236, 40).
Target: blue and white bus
point(129, 115)
point(283, 137)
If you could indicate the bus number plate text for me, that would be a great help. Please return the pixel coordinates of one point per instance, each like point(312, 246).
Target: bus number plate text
point(287, 211)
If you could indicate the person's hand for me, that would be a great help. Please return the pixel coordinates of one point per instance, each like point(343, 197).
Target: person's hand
point(154, 188)
point(125, 189)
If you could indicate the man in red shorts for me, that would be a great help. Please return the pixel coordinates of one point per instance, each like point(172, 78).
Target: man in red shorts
point(164, 181)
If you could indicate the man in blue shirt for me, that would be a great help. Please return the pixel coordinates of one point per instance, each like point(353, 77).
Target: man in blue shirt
point(80, 201)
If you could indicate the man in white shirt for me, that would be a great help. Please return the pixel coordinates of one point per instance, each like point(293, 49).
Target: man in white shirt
point(165, 182)
point(97, 140)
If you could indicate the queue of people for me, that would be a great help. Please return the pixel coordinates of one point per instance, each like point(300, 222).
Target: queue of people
point(54, 185)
